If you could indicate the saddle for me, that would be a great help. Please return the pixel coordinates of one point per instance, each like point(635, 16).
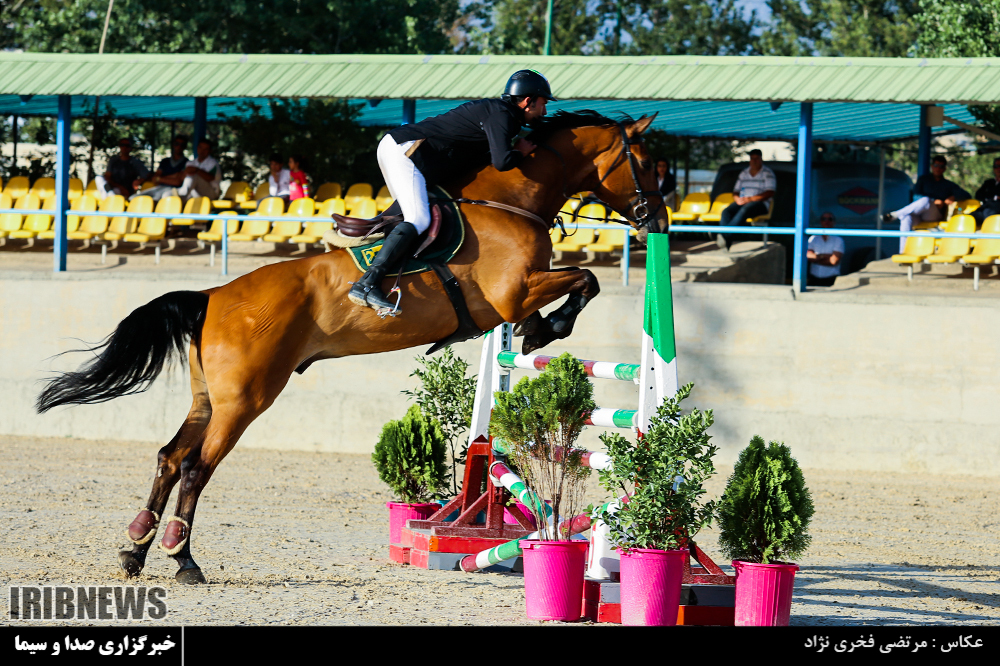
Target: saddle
point(355, 227)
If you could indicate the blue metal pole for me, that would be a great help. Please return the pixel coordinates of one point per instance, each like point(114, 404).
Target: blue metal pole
point(409, 111)
point(924, 149)
point(803, 189)
point(225, 248)
point(63, 127)
point(200, 121)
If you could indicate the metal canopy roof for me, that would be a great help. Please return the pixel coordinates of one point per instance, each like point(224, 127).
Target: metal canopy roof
point(731, 78)
point(736, 120)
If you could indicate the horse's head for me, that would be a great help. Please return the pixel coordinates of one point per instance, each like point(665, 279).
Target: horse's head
point(626, 178)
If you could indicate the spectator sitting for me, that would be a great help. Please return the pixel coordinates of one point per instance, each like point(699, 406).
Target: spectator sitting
point(935, 192)
point(298, 180)
point(124, 174)
point(170, 173)
point(278, 183)
point(202, 175)
point(824, 255)
point(989, 195)
point(753, 189)
point(666, 183)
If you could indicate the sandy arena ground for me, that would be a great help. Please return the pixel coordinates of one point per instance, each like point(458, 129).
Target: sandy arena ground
point(301, 538)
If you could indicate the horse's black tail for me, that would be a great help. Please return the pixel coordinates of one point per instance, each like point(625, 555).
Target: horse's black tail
point(130, 359)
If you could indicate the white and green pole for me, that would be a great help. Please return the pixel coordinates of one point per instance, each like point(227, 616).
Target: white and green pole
point(659, 353)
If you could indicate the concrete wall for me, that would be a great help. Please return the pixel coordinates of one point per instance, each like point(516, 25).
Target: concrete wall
point(892, 382)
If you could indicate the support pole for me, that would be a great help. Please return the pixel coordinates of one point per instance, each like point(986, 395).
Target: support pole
point(881, 201)
point(63, 127)
point(548, 30)
point(924, 148)
point(409, 111)
point(200, 121)
point(803, 190)
point(13, 164)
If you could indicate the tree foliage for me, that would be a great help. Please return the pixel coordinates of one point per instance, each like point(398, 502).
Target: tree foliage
point(409, 457)
point(860, 28)
point(663, 473)
point(540, 420)
point(447, 395)
point(238, 26)
point(765, 510)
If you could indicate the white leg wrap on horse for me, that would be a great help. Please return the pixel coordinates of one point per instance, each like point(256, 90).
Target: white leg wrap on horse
point(405, 182)
point(150, 534)
point(176, 549)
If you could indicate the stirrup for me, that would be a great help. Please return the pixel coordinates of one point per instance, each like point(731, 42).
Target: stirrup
point(394, 310)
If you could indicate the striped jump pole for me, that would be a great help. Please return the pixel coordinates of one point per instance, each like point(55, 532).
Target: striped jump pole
point(501, 475)
point(598, 369)
point(592, 459)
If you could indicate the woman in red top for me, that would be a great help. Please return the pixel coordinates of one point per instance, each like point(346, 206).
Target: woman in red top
point(298, 185)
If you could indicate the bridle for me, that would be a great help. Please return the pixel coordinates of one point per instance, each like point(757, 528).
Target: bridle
point(641, 215)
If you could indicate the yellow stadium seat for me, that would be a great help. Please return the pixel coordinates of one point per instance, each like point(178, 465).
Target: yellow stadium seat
point(986, 250)
point(720, 204)
point(11, 222)
point(148, 185)
point(36, 224)
point(95, 225)
point(262, 192)
point(383, 200)
point(610, 239)
point(153, 229)
point(364, 209)
point(237, 192)
point(555, 234)
point(193, 206)
point(331, 206)
point(282, 231)
point(16, 188)
point(125, 225)
point(950, 250)
point(566, 212)
point(967, 206)
point(693, 206)
point(83, 204)
point(252, 230)
point(313, 233)
point(578, 239)
point(75, 189)
point(355, 193)
point(328, 191)
point(214, 234)
point(44, 188)
point(917, 248)
point(91, 188)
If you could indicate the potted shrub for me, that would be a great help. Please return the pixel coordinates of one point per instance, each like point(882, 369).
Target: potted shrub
point(409, 457)
point(764, 515)
point(540, 420)
point(663, 473)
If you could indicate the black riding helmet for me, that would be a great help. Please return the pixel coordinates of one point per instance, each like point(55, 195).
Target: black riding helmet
point(527, 83)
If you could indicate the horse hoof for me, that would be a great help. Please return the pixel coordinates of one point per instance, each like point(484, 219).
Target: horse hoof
point(130, 564)
point(192, 576)
point(528, 325)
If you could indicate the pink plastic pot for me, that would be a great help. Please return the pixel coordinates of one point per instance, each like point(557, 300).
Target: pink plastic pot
point(553, 579)
point(651, 586)
point(508, 519)
point(763, 594)
point(399, 513)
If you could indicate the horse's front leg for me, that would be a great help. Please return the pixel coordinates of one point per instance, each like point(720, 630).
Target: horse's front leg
point(544, 287)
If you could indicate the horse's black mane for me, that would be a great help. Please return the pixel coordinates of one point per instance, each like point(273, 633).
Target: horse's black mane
point(545, 127)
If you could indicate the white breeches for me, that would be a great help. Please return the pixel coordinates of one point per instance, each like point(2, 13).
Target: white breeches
point(405, 182)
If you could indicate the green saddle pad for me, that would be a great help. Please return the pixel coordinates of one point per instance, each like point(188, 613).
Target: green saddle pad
point(448, 242)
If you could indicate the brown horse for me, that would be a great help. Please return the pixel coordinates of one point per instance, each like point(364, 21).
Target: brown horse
point(247, 337)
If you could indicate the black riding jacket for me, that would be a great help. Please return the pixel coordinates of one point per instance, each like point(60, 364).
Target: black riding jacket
point(465, 139)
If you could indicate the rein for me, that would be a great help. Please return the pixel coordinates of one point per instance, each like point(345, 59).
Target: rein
point(502, 206)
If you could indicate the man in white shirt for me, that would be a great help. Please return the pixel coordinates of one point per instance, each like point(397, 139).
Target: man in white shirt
point(202, 175)
point(824, 254)
point(279, 182)
point(752, 195)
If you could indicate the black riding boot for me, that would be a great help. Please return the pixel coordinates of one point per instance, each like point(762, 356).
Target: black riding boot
point(398, 245)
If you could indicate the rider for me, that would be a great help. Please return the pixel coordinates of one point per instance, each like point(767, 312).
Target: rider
point(459, 141)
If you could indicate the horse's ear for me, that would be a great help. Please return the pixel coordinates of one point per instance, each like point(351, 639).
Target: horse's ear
point(641, 125)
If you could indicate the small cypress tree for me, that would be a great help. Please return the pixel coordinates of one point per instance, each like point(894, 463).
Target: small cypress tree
point(765, 510)
point(409, 457)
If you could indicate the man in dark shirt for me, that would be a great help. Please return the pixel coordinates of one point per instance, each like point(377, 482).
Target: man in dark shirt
point(666, 182)
point(124, 174)
point(170, 173)
point(462, 140)
point(989, 195)
point(935, 194)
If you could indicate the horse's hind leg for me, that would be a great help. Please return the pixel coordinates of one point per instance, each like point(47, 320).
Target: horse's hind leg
point(143, 529)
point(221, 435)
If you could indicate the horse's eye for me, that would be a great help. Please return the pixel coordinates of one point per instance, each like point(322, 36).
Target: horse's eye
point(645, 164)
